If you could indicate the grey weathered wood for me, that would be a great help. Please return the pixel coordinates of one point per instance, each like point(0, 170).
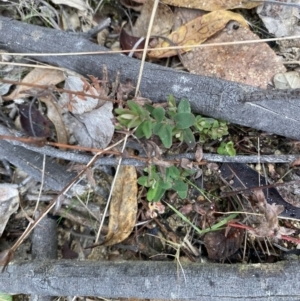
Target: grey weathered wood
point(155, 280)
point(44, 246)
point(214, 97)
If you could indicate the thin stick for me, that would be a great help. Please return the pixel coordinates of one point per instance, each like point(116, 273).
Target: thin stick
point(155, 5)
point(158, 48)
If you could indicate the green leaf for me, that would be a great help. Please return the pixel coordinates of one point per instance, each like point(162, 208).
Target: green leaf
point(172, 109)
point(164, 185)
point(123, 111)
point(158, 114)
point(184, 120)
point(133, 106)
point(230, 149)
point(143, 181)
point(188, 137)
point(226, 149)
point(181, 188)
point(164, 132)
point(155, 193)
point(139, 110)
point(139, 133)
point(171, 101)
point(128, 116)
point(184, 106)
point(134, 122)
point(150, 108)
point(146, 128)
point(172, 172)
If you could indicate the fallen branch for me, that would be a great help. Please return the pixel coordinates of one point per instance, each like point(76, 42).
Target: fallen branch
point(154, 280)
point(271, 111)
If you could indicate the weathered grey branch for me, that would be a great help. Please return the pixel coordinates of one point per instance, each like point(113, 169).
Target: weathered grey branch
point(44, 246)
point(155, 280)
point(271, 112)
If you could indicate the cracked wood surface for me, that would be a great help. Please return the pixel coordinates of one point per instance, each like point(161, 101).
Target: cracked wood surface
point(274, 112)
point(154, 280)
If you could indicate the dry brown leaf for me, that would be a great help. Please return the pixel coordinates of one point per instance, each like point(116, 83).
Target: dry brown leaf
point(295, 162)
point(54, 114)
point(123, 206)
point(269, 226)
point(212, 5)
point(287, 80)
point(9, 203)
point(220, 245)
point(163, 21)
point(37, 76)
point(196, 32)
point(254, 64)
point(199, 153)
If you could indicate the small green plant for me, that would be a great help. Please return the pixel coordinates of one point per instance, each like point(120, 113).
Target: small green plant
point(158, 183)
point(227, 149)
point(174, 122)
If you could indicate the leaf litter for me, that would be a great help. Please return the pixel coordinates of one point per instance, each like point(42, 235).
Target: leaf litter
point(90, 121)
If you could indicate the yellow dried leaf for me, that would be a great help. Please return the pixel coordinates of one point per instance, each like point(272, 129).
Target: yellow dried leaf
point(212, 5)
point(196, 32)
point(123, 206)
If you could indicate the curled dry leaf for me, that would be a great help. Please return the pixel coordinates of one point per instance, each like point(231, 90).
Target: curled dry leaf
point(33, 122)
point(128, 42)
point(295, 163)
point(37, 76)
point(196, 32)
point(186, 163)
point(91, 123)
point(269, 226)
point(54, 114)
point(163, 21)
point(199, 153)
point(212, 5)
point(75, 103)
point(99, 126)
point(287, 80)
point(9, 203)
point(123, 206)
point(221, 246)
